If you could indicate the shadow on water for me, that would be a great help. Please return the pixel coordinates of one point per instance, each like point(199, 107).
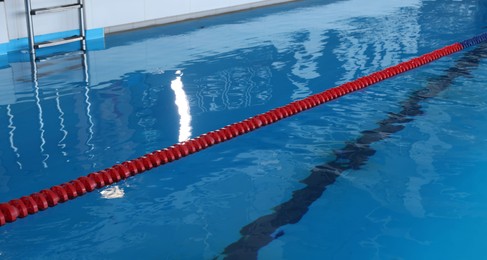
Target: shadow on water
point(352, 156)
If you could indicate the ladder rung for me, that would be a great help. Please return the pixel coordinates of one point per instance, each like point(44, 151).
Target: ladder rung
point(55, 9)
point(51, 43)
point(59, 56)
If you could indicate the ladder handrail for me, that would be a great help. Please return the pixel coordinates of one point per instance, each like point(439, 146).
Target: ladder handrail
point(30, 26)
point(82, 25)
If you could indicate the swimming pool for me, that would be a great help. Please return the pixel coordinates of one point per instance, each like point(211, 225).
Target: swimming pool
point(416, 194)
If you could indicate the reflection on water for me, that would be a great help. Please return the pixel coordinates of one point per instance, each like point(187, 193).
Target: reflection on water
point(183, 108)
point(289, 55)
point(363, 51)
point(61, 142)
point(12, 128)
point(231, 88)
point(90, 118)
point(41, 117)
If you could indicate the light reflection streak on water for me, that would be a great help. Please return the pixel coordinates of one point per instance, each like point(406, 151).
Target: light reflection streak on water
point(63, 127)
point(88, 104)
point(90, 120)
point(12, 128)
point(41, 120)
point(182, 104)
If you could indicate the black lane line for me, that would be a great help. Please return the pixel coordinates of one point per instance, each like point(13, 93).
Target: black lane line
point(351, 157)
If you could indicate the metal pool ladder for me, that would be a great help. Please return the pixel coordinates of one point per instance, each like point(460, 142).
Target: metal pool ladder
point(33, 46)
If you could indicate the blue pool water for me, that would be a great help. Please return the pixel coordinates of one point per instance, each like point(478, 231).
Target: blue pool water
point(415, 194)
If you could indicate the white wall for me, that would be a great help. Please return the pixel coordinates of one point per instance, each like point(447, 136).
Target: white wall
point(133, 14)
point(43, 24)
point(120, 14)
point(3, 24)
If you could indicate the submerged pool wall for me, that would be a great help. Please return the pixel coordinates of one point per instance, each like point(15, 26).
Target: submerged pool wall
point(105, 17)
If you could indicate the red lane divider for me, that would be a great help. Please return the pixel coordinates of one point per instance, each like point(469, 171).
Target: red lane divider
point(31, 204)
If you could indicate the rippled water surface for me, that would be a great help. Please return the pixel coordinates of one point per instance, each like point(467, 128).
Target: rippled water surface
point(417, 192)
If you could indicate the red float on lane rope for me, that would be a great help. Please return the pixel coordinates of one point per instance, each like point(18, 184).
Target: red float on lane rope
point(40, 201)
point(9, 212)
point(61, 193)
point(23, 211)
point(30, 203)
point(3, 221)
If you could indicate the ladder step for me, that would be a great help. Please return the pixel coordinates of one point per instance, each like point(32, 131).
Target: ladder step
point(56, 42)
point(67, 55)
point(55, 9)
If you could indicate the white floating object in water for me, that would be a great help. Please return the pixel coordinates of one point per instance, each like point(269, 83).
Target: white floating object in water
point(112, 193)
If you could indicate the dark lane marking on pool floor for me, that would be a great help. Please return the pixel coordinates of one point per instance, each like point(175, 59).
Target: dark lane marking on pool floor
point(355, 154)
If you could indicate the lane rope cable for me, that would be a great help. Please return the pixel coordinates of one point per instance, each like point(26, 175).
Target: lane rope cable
point(44, 199)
